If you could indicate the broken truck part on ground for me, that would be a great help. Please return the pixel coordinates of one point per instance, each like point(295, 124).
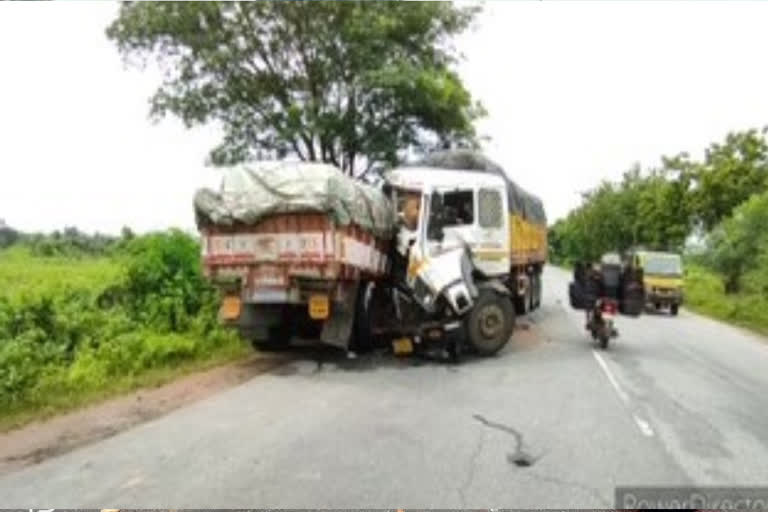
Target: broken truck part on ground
point(441, 257)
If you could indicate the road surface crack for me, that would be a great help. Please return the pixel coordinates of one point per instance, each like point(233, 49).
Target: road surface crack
point(519, 457)
point(472, 469)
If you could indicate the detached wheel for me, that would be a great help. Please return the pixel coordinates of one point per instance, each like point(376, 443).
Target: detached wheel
point(490, 323)
point(674, 309)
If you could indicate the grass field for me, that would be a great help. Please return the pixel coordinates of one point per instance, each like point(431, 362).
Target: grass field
point(705, 294)
point(78, 329)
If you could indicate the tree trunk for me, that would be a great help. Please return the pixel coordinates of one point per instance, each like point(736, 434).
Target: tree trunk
point(732, 284)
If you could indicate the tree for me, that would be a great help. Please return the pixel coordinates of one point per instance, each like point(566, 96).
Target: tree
point(740, 243)
point(8, 235)
point(336, 82)
point(731, 172)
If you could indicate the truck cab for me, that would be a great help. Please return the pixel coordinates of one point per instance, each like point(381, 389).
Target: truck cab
point(453, 245)
point(455, 209)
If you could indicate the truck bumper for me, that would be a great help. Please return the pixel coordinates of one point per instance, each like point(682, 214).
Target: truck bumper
point(425, 338)
point(664, 299)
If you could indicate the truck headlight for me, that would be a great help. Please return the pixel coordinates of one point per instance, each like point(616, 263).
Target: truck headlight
point(422, 291)
point(459, 298)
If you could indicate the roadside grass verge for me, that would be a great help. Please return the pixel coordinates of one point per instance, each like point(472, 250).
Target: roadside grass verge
point(80, 328)
point(68, 399)
point(705, 294)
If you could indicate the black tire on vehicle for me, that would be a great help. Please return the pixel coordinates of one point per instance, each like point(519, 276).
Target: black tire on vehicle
point(522, 303)
point(490, 323)
point(673, 309)
point(538, 290)
point(362, 337)
point(532, 294)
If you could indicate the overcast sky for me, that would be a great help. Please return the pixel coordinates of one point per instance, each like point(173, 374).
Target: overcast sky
point(576, 92)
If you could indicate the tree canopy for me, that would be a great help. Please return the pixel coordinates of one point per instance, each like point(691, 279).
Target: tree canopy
point(660, 208)
point(349, 83)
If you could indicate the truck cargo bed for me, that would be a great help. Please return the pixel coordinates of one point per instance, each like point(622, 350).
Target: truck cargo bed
point(271, 256)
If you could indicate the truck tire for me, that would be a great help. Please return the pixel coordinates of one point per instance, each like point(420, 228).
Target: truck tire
point(362, 337)
point(532, 295)
point(522, 303)
point(490, 323)
point(536, 291)
point(673, 309)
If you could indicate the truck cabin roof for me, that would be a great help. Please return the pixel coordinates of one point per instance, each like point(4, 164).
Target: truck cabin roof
point(416, 178)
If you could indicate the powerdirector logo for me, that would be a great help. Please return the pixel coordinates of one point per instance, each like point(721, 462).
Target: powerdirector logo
point(692, 498)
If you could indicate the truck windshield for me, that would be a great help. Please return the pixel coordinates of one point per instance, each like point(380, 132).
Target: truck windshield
point(663, 266)
point(459, 208)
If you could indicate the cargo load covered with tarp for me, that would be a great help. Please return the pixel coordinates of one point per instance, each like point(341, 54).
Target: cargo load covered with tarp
point(528, 206)
point(252, 193)
point(278, 227)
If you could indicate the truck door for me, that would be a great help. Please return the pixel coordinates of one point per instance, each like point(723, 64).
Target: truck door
point(492, 251)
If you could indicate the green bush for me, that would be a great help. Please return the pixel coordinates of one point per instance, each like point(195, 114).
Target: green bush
point(164, 286)
point(705, 293)
point(70, 326)
point(740, 243)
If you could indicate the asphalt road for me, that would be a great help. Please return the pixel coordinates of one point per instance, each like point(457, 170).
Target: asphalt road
point(549, 423)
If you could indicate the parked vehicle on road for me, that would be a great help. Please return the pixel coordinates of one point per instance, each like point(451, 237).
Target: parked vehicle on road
point(440, 257)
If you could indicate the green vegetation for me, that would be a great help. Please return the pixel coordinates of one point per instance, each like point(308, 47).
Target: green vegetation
point(722, 200)
point(349, 83)
point(78, 327)
point(705, 294)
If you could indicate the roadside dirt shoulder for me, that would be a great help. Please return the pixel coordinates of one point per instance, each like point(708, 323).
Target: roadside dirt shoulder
point(40, 440)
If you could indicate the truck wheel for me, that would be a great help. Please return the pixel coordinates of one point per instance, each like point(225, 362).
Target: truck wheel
point(490, 323)
point(532, 295)
point(522, 303)
point(361, 328)
point(674, 309)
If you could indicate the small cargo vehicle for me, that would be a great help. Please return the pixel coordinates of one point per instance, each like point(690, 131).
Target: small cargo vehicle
point(662, 279)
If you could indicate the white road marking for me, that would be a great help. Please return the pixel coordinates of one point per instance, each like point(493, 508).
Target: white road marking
point(611, 378)
point(643, 425)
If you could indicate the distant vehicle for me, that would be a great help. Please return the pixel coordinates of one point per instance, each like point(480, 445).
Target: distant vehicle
point(662, 278)
point(611, 258)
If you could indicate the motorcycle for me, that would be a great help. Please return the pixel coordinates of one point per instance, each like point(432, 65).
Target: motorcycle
point(600, 320)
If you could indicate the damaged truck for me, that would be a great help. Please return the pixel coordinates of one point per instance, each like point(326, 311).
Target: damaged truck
point(441, 257)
